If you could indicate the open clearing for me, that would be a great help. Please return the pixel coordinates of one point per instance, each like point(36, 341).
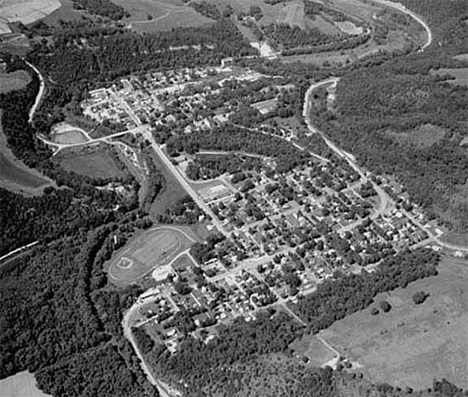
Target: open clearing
point(456, 76)
point(314, 349)
point(92, 161)
point(13, 81)
point(67, 134)
point(457, 239)
point(412, 344)
point(159, 15)
point(154, 248)
point(27, 11)
point(15, 175)
point(23, 384)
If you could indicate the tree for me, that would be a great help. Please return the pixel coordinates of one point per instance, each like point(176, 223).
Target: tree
point(419, 297)
point(385, 306)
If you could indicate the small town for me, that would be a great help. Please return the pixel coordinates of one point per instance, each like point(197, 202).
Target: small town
point(278, 234)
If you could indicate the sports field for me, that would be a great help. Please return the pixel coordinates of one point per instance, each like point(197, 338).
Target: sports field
point(13, 81)
point(154, 248)
point(412, 344)
point(67, 134)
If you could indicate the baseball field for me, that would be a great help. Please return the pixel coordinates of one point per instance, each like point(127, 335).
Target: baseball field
point(154, 248)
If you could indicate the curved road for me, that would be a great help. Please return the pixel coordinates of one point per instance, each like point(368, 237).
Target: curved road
point(417, 18)
point(385, 200)
point(39, 94)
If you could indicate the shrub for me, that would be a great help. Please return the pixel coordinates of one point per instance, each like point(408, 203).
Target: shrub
point(419, 297)
point(385, 306)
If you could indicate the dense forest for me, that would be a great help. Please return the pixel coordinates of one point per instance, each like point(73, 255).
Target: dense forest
point(76, 205)
point(61, 320)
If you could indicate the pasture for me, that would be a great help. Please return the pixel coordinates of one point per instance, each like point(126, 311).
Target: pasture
point(157, 247)
point(160, 15)
point(92, 161)
point(412, 344)
point(13, 81)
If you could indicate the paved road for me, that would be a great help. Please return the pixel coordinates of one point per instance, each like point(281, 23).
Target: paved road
point(39, 94)
point(198, 200)
point(417, 18)
point(89, 141)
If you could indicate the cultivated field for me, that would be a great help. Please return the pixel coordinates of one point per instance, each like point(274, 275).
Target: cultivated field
point(13, 81)
point(154, 248)
point(412, 344)
point(95, 162)
point(27, 11)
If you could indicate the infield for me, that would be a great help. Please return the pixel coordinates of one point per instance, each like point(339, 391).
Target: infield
point(152, 249)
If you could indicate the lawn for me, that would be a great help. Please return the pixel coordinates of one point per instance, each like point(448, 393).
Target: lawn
point(154, 248)
point(13, 81)
point(412, 344)
point(95, 162)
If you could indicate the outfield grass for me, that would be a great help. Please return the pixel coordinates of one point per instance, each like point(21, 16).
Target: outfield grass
point(13, 81)
point(94, 162)
point(151, 249)
point(412, 344)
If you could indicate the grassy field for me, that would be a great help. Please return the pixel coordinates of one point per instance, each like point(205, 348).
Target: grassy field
point(22, 384)
point(421, 137)
point(458, 239)
point(156, 247)
point(94, 162)
point(412, 344)
point(67, 134)
point(159, 15)
point(13, 81)
point(314, 349)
